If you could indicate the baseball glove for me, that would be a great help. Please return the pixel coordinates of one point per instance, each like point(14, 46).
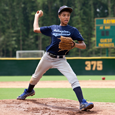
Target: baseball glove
point(66, 43)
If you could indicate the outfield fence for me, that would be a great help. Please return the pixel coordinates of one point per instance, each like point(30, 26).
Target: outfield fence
point(80, 65)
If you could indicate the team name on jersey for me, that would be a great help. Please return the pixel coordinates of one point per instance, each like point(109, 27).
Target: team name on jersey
point(58, 32)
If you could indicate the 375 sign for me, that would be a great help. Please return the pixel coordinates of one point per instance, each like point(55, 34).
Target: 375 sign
point(93, 65)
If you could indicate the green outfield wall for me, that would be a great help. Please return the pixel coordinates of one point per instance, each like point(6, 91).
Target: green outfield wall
point(80, 65)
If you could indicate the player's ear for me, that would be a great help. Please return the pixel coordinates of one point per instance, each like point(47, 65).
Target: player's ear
point(58, 16)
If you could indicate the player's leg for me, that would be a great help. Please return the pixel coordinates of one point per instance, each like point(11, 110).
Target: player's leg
point(42, 67)
point(44, 64)
point(64, 67)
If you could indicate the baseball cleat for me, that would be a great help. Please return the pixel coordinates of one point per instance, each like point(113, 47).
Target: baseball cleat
point(85, 105)
point(25, 94)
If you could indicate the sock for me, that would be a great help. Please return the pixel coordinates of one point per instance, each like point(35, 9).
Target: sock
point(30, 88)
point(78, 93)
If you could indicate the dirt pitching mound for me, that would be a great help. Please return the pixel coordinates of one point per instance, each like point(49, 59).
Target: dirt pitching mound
point(52, 106)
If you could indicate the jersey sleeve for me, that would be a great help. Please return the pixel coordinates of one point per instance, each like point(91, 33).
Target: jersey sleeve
point(77, 36)
point(46, 30)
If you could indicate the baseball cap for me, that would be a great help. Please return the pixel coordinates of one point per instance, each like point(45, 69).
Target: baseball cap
point(64, 8)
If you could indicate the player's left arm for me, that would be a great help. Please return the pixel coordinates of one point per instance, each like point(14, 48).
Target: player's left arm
point(80, 45)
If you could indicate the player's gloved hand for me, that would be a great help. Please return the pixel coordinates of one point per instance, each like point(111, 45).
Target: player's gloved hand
point(66, 43)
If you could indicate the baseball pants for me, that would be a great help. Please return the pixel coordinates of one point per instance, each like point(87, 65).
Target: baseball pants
point(61, 64)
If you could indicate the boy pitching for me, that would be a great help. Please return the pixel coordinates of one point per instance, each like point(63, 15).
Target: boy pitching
point(53, 58)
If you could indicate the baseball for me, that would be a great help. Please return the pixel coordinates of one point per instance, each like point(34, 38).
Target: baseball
point(41, 13)
point(103, 78)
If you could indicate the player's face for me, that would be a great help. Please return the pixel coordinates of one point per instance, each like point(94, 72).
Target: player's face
point(64, 18)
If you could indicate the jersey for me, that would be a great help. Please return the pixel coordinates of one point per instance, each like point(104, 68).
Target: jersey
point(55, 32)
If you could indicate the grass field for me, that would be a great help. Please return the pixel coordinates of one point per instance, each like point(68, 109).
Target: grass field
point(56, 78)
point(91, 94)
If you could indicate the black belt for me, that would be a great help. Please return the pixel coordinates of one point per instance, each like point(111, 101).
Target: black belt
point(55, 56)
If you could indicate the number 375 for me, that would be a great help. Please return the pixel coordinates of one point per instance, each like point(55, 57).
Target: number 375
point(94, 65)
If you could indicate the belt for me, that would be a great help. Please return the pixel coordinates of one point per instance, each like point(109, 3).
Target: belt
point(55, 56)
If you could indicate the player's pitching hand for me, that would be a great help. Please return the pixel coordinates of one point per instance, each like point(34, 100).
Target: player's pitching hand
point(39, 13)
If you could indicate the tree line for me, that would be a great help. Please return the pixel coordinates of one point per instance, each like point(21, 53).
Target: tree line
point(17, 17)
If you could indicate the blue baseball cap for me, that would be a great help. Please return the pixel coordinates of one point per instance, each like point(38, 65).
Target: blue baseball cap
point(63, 8)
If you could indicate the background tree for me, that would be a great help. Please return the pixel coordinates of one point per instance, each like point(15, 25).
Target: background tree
point(17, 17)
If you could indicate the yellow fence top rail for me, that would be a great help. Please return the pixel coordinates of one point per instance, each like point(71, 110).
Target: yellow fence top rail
point(66, 58)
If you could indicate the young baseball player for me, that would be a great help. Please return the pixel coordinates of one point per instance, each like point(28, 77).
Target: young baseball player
point(54, 58)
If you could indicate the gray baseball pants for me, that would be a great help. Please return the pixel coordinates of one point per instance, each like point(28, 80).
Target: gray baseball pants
point(61, 64)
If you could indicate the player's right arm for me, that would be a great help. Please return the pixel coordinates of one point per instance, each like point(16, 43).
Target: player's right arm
point(36, 27)
point(46, 30)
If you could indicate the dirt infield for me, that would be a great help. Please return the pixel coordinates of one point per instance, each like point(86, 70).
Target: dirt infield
point(53, 106)
point(61, 84)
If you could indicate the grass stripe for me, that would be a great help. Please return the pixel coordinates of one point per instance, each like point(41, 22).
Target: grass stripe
point(56, 78)
point(91, 94)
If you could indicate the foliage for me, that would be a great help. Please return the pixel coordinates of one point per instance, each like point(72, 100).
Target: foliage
point(17, 16)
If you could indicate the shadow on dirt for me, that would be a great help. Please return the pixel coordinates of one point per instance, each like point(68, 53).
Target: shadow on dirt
point(61, 106)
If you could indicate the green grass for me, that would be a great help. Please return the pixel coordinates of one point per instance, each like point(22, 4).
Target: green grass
point(91, 94)
point(27, 78)
point(56, 78)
